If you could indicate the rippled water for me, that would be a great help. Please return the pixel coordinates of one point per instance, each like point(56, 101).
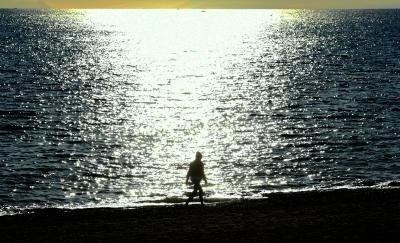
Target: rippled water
point(108, 107)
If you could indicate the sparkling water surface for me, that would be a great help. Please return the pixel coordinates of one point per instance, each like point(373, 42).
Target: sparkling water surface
point(108, 107)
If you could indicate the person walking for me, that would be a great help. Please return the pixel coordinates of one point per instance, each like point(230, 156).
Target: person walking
point(196, 174)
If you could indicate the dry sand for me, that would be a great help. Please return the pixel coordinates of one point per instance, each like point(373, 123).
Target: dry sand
point(362, 215)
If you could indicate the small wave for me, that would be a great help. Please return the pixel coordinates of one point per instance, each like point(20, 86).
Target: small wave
point(17, 114)
point(292, 135)
point(179, 200)
point(389, 184)
point(11, 128)
point(366, 183)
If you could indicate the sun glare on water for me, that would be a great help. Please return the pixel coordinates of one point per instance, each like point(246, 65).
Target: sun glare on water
point(170, 71)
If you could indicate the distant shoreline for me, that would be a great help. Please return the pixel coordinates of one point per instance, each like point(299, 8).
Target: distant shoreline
point(370, 215)
point(205, 9)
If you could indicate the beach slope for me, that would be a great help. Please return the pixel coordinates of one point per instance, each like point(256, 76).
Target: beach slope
point(369, 215)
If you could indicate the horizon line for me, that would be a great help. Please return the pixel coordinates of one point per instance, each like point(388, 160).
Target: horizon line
point(186, 8)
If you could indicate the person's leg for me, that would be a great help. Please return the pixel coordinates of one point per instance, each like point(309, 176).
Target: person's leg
point(189, 199)
point(195, 190)
point(192, 194)
point(201, 195)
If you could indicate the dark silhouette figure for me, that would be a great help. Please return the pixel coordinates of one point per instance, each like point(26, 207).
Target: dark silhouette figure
point(196, 174)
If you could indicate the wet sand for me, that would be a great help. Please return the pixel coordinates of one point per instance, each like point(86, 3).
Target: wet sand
point(368, 215)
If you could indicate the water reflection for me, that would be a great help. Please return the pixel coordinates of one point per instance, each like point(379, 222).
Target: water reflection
point(113, 104)
point(170, 105)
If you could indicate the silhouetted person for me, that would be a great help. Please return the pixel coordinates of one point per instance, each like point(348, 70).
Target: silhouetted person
point(196, 174)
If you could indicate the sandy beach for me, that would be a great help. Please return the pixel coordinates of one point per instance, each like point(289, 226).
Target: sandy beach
point(368, 215)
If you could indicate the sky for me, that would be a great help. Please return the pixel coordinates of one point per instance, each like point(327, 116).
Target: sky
point(258, 4)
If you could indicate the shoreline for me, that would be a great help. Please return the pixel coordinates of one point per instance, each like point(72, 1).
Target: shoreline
point(371, 215)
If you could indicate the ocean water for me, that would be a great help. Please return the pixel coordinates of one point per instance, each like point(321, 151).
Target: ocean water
point(108, 107)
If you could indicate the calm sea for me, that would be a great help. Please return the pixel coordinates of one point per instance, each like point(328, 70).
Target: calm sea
point(108, 107)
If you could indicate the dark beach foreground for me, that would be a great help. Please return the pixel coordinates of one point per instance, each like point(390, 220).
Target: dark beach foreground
point(368, 215)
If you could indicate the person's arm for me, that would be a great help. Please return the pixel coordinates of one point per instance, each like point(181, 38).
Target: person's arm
point(204, 175)
point(187, 176)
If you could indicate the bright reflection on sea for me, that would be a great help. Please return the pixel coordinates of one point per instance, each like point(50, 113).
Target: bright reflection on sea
point(108, 107)
point(169, 103)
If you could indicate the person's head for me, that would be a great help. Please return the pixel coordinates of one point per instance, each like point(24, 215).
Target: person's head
point(198, 156)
